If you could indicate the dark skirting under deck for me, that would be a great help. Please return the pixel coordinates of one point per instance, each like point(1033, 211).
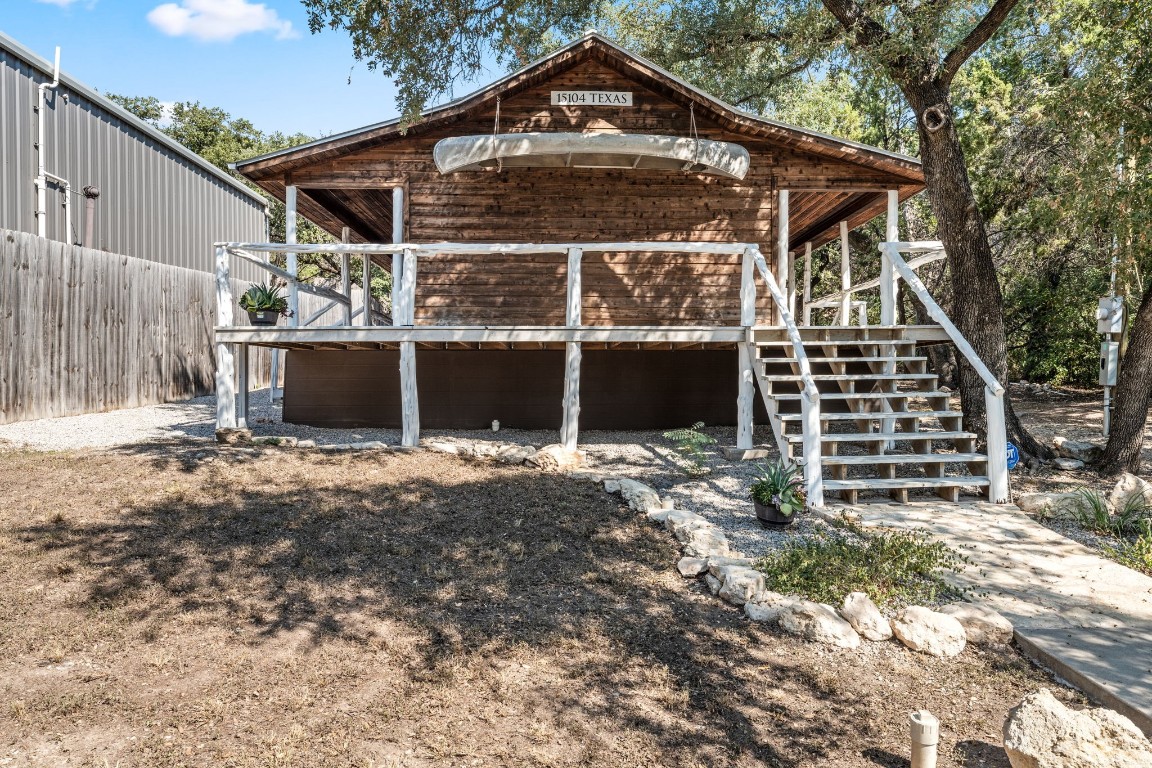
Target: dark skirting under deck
point(522, 389)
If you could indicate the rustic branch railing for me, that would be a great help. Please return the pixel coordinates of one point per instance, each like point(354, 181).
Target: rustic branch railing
point(993, 389)
point(810, 397)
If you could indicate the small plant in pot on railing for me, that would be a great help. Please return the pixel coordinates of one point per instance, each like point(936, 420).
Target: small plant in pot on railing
point(779, 494)
point(264, 304)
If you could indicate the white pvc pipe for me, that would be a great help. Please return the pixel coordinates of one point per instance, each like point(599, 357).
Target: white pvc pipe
point(925, 733)
point(41, 177)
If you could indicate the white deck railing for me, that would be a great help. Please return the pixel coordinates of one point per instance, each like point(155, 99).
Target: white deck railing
point(929, 250)
point(997, 437)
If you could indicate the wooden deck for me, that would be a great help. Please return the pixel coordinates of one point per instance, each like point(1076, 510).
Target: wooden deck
point(552, 337)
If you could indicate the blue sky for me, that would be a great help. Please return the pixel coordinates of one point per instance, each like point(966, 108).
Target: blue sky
point(253, 58)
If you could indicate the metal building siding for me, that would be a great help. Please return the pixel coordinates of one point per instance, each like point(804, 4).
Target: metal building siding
point(155, 203)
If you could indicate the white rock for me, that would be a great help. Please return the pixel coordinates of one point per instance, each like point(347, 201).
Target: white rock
point(611, 485)
point(1049, 503)
point(640, 497)
point(1072, 449)
point(440, 446)
point(766, 606)
point(714, 584)
point(740, 583)
point(305, 443)
point(865, 617)
point(1129, 487)
point(680, 524)
point(818, 623)
point(283, 440)
point(706, 542)
point(658, 515)
point(556, 457)
point(1040, 732)
point(929, 632)
point(717, 564)
point(514, 454)
point(370, 445)
point(691, 567)
point(1067, 464)
point(982, 625)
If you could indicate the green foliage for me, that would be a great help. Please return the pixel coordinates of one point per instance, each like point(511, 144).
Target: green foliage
point(264, 297)
point(780, 485)
point(1135, 553)
point(894, 568)
point(1094, 515)
point(690, 443)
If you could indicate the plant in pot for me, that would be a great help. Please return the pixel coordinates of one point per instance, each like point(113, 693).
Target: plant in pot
point(779, 494)
point(264, 304)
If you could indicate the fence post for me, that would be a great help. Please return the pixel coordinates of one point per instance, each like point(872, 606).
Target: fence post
point(225, 366)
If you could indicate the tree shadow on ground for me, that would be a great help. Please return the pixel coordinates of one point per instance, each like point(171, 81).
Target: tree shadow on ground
point(469, 564)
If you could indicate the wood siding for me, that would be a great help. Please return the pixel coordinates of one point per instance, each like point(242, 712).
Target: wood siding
point(468, 389)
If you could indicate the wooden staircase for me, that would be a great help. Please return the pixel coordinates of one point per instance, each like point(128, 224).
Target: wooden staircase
point(886, 428)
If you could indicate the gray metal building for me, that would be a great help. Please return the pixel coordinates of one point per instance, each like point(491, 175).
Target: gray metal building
point(158, 200)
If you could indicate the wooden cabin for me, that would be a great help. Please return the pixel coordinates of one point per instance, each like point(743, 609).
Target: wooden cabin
point(592, 243)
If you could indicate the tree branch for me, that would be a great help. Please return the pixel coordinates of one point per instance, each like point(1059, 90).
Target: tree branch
point(976, 38)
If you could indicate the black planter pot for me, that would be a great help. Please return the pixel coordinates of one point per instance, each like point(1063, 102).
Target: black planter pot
point(263, 317)
point(770, 516)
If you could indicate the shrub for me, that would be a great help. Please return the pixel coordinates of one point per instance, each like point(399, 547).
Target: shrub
point(894, 568)
point(1136, 553)
point(690, 443)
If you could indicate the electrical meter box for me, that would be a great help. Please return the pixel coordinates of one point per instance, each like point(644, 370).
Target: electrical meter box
point(1109, 362)
point(1110, 315)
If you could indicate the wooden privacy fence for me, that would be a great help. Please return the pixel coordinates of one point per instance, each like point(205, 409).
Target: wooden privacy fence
point(84, 331)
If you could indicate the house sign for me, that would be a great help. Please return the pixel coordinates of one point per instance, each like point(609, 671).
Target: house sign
point(592, 98)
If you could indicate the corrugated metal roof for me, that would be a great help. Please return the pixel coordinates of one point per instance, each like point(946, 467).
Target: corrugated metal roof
point(46, 67)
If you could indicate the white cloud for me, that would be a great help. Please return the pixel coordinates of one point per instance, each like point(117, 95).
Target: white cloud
point(217, 20)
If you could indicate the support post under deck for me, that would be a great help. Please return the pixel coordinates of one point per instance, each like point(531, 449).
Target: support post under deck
point(573, 353)
point(242, 385)
point(225, 368)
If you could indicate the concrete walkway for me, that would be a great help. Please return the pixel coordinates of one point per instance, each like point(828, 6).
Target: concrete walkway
point(1086, 618)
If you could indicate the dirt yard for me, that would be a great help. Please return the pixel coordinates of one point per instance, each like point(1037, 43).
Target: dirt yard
point(191, 606)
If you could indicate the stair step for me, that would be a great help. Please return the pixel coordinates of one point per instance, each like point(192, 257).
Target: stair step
point(872, 437)
point(861, 395)
point(848, 359)
point(874, 415)
point(887, 484)
point(903, 458)
point(855, 377)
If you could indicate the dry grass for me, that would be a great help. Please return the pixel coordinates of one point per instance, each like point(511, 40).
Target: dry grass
point(298, 609)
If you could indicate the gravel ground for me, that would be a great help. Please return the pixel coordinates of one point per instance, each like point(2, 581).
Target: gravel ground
point(721, 495)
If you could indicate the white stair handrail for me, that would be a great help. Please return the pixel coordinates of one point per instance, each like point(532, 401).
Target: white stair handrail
point(810, 399)
point(993, 389)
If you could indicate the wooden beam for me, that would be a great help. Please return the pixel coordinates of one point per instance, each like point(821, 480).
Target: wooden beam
point(845, 276)
point(409, 399)
point(658, 246)
point(291, 257)
point(782, 245)
point(807, 282)
point(745, 396)
point(570, 425)
point(575, 287)
point(225, 370)
point(630, 335)
point(346, 277)
point(888, 276)
point(408, 287)
point(748, 288)
point(242, 385)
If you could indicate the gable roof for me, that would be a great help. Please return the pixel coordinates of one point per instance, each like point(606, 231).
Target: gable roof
point(592, 45)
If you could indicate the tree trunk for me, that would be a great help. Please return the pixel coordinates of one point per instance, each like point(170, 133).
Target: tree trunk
point(978, 302)
point(1133, 397)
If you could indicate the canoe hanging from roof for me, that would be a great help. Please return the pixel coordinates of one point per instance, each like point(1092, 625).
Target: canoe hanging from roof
point(591, 150)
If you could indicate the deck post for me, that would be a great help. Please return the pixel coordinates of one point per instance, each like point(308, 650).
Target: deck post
point(888, 275)
point(346, 276)
point(745, 396)
point(782, 245)
point(807, 283)
point(225, 370)
point(570, 422)
point(845, 277)
point(366, 294)
point(409, 399)
point(748, 288)
point(291, 257)
point(242, 385)
point(408, 286)
point(997, 447)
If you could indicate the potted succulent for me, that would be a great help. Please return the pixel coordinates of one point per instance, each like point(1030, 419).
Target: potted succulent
point(264, 304)
point(779, 494)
